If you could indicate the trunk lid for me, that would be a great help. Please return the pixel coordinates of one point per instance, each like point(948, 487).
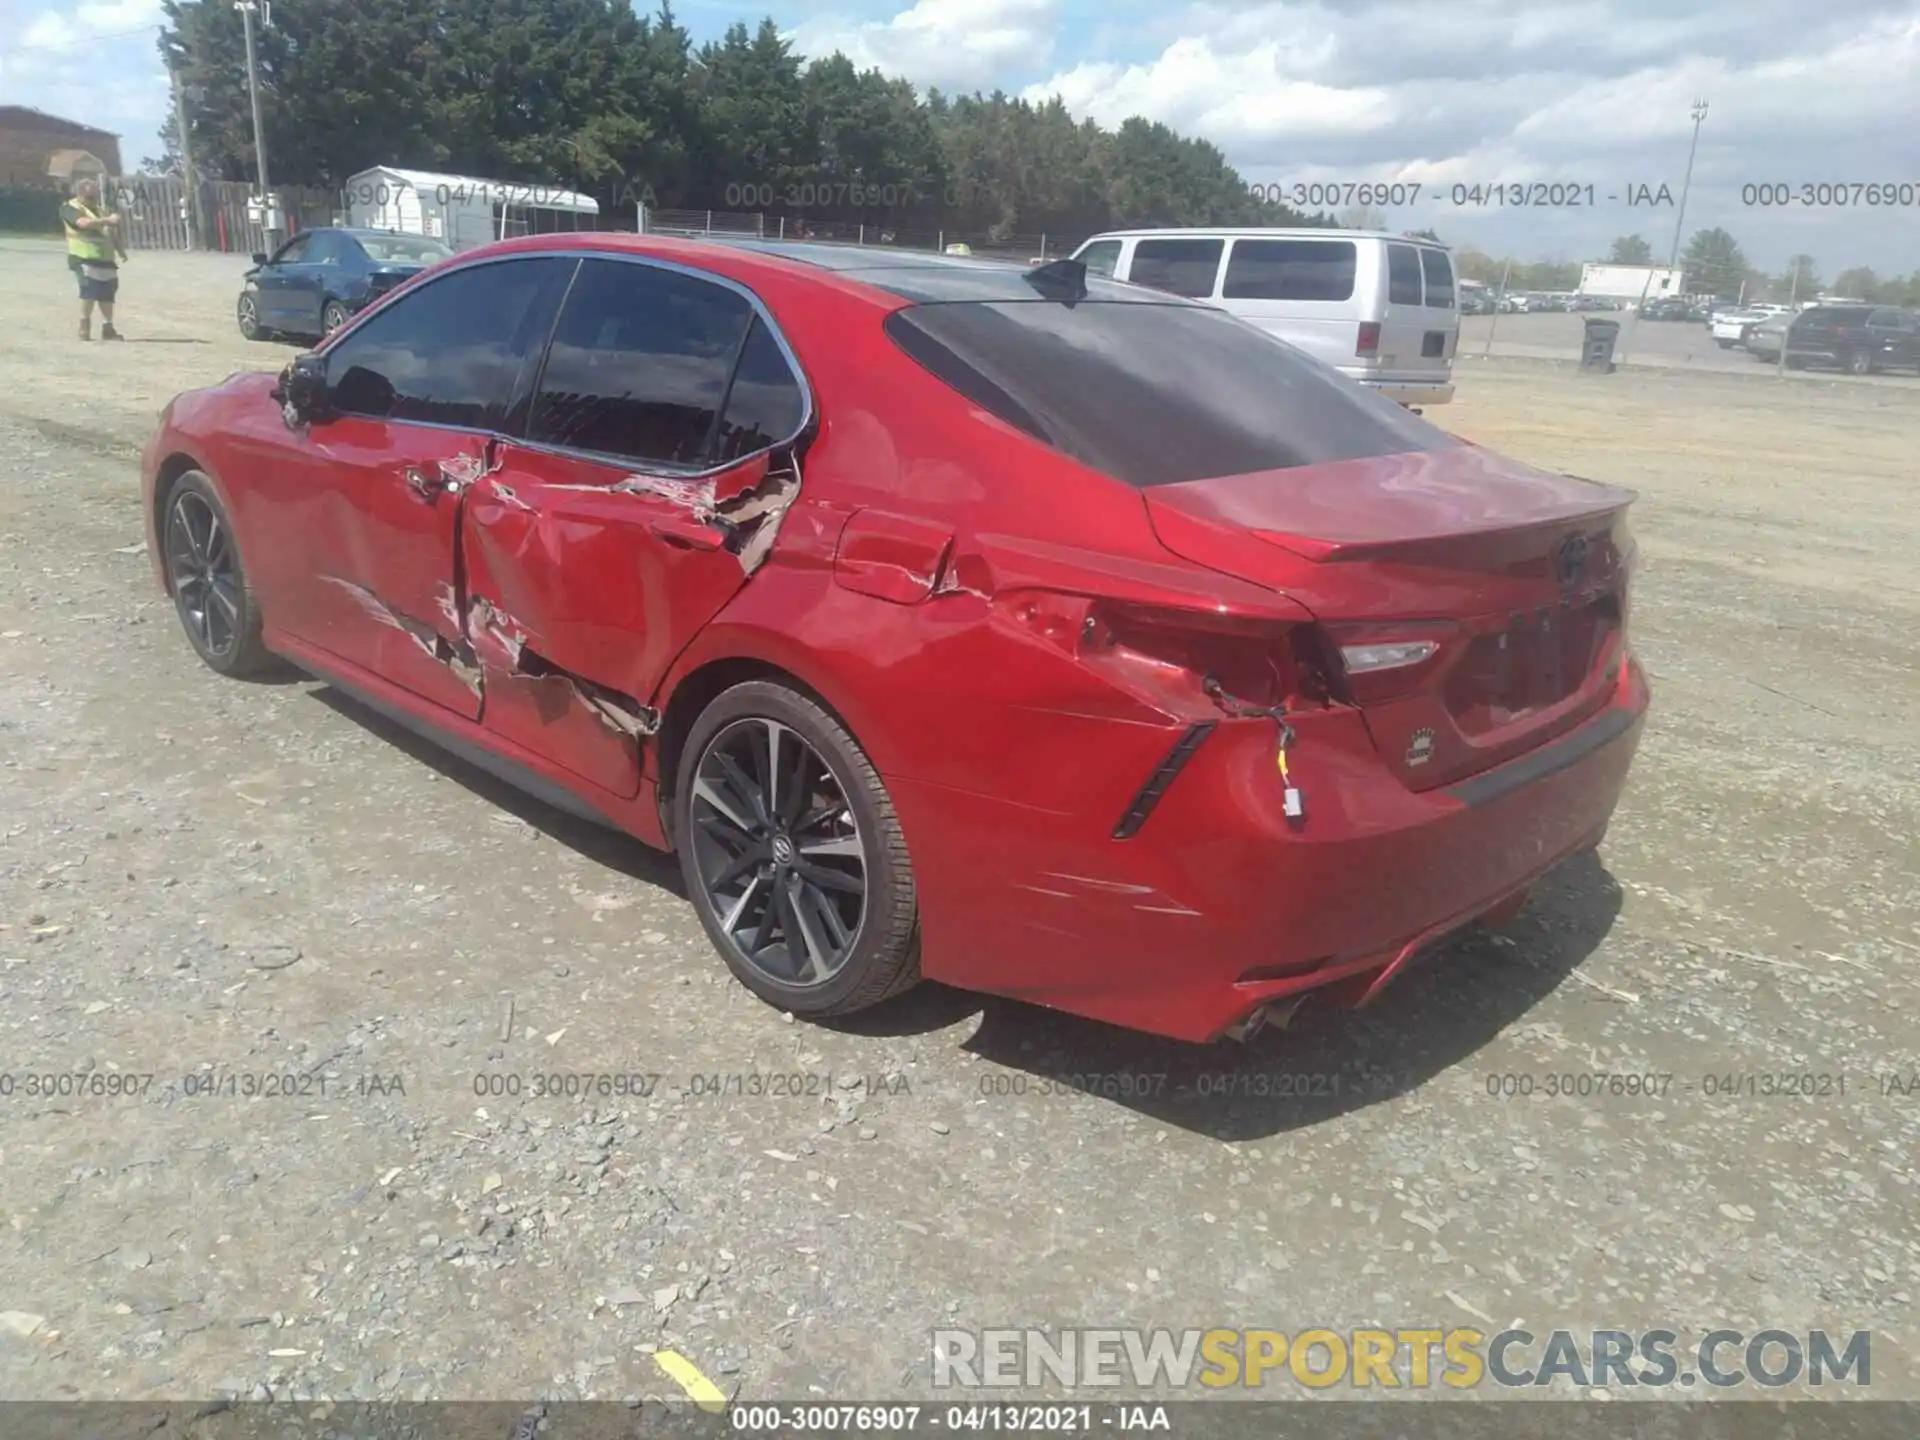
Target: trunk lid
point(1512, 579)
point(390, 276)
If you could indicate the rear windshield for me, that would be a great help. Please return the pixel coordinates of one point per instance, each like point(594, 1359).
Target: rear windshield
point(1155, 394)
point(1834, 315)
point(412, 250)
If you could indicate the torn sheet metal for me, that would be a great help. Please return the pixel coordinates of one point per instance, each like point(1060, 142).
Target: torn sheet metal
point(694, 495)
point(453, 656)
point(757, 514)
point(495, 639)
point(750, 516)
point(500, 645)
point(376, 609)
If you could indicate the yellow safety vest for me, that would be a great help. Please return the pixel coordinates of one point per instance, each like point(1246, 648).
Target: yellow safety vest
point(95, 246)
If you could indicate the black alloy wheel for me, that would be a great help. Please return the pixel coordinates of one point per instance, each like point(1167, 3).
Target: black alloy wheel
point(209, 584)
point(792, 853)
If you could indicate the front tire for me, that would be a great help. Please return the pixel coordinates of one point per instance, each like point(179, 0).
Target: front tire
point(1860, 362)
point(210, 590)
point(247, 313)
point(332, 316)
point(793, 855)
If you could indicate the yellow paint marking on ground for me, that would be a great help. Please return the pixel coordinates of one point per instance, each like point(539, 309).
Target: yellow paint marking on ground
point(688, 1377)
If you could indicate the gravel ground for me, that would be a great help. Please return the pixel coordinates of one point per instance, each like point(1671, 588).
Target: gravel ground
point(203, 881)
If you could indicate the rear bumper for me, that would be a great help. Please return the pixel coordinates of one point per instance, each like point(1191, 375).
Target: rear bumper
point(1219, 905)
point(1413, 392)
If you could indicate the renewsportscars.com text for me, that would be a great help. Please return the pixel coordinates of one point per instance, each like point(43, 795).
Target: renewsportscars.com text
point(1413, 1358)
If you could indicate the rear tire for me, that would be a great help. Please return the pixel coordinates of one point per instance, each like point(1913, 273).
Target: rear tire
point(1725, 344)
point(208, 583)
point(773, 868)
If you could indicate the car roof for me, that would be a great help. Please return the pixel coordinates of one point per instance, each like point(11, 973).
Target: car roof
point(921, 276)
point(364, 232)
point(1263, 232)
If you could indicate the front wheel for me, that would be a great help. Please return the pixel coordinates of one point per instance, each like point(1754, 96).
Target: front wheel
point(793, 855)
point(1860, 362)
point(209, 585)
point(332, 316)
point(247, 312)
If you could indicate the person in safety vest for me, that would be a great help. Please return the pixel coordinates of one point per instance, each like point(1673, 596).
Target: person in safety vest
point(91, 246)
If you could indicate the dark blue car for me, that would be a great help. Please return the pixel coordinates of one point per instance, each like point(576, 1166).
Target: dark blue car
point(320, 278)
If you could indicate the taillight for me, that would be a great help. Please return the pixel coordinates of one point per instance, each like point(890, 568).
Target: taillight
point(1382, 661)
point(1185, 660)
point(1369, 338)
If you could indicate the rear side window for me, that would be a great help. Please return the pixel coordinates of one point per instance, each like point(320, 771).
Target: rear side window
point(1180, 267)
point(1403, 275)
point(1155, 394)
point(1291, 270)
point(1439, 272)
point(451, 351)
point(765, 405)
point(1100, 257)
point(639, 364)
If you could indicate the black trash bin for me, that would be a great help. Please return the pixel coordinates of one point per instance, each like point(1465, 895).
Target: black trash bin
point(1596, 350)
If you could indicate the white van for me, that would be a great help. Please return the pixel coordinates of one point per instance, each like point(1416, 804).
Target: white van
point(1379, 308)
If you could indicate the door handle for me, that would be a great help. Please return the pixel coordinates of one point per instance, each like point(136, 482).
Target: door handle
point(689, 533)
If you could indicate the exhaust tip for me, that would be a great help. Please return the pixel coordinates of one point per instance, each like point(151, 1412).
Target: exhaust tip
point(1277, 1014)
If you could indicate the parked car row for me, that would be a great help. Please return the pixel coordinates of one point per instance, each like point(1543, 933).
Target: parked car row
point(1729, 326)
point(1001, 625)
point(1860, 339)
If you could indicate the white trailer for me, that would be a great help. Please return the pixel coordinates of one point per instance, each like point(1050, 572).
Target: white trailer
point(462, 211)
point(1630, 282)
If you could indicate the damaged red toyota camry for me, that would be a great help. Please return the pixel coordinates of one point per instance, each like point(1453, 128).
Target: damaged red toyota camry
point(1005, 627)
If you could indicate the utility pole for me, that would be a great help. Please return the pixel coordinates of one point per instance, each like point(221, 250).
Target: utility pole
point(268, 211)
point(189, 176)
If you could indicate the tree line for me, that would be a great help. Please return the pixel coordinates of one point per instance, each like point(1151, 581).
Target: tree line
point(1714, 264)
point(621, 106)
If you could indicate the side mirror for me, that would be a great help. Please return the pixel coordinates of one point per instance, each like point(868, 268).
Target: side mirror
point(259, 257)
point(302, 389)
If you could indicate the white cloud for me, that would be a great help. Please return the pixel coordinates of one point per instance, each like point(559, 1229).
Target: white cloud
point(1223, 96)
point(959, 44)
point(61, 30)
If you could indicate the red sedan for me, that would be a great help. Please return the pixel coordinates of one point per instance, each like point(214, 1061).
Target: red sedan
point(998, 625)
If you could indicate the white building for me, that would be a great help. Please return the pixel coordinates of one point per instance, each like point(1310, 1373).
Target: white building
point(462, 211)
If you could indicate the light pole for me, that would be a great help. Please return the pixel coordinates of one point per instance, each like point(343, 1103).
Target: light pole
point(1699, 113)
point(268, 213)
